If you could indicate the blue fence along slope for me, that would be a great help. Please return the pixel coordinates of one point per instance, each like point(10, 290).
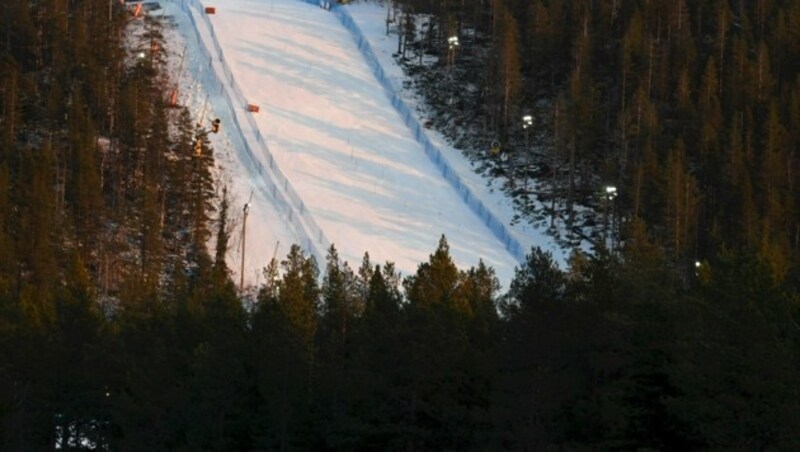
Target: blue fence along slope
point(286, 199)
point(498, 228)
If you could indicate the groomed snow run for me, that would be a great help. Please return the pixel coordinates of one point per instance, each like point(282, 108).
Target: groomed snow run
point(333, 133)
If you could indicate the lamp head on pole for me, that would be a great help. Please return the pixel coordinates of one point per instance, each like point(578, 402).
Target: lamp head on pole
point(527, 121)
point(611, 191)
point(452, 42)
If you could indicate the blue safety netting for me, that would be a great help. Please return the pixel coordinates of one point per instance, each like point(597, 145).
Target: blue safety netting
point(275, 184)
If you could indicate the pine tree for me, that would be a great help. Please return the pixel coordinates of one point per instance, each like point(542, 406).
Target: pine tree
point(6, 243)
point(84, 176)
point(776, 181)
point(535, 371)
point(435, 280)
point(77, 367)
point(151, 244)
point(200, 194)
point(338, 310)
point(284, 323)
point(378, 390)
point(363, 280)
point(511, 77)
point(763, 74)
point(223, 236)
point(538, 278)
point(335, 363)
point(36, 245)
point(681, 202)
point(298, 294)
point(735, 382)
point(441, 393)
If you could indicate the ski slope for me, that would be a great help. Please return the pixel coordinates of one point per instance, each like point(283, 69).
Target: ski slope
point(331, 131)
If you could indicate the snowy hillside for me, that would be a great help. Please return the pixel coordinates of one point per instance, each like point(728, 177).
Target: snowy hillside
point(326, 131)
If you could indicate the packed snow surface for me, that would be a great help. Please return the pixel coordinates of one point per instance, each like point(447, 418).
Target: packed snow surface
point(334, 134)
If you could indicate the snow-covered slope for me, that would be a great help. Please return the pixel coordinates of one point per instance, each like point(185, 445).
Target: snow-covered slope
point(327, 123)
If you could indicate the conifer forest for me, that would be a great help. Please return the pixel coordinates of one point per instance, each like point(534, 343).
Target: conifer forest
point(121, 327)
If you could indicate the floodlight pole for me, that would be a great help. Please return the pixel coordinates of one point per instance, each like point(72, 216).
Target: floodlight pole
point(609, 195)
point(452, 47)
point(527, 123)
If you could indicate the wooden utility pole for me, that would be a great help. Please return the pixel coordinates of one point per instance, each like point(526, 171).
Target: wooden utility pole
point(244, 228)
